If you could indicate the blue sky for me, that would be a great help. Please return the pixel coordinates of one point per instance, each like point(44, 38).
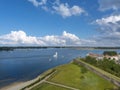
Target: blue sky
point(60, 22)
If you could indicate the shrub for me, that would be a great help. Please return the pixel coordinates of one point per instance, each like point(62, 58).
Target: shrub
point(110, 53)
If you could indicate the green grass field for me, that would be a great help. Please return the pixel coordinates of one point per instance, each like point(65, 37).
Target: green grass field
point(102, 71)
point(73, 75)
point(78, 77)
point(45, 86)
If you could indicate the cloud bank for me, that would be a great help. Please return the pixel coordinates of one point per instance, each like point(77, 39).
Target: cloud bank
point(109, 27)
point(110, 24)
point(18, 38)
point(21, 38)
point(57, 7)
point(111, 19)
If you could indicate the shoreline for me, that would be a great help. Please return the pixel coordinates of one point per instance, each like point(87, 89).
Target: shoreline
point(21, 85)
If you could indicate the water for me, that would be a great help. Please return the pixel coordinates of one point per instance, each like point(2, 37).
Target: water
point(26, 64)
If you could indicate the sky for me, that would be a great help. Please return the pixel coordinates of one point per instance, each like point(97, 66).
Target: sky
point(60, 22)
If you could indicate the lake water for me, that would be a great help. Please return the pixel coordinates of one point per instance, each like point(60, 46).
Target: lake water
point(26, 64)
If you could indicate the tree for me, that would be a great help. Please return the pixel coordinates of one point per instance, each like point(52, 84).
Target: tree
point(110, 53)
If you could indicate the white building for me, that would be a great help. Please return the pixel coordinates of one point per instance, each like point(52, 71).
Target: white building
point(101, 57)
point(97, 56)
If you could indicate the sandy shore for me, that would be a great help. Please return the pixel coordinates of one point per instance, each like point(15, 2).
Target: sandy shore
point(19, 85)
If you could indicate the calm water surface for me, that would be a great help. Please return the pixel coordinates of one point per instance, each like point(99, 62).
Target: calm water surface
point(26, 64)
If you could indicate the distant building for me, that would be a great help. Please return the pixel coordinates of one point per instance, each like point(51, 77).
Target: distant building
point(112, 57)
point(116, 58)
point(97, 56)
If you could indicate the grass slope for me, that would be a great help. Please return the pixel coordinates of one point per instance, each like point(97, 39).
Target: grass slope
point(74, 76)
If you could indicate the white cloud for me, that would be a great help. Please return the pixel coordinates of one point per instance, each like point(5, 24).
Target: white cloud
point(66, 11)
point(66, 39)
point(111, 19)
point(109, 24)
point(38, 3)
point(109, 4)
point(73, 37)
point(53, 40)
point(20, 38)
point(62, 9)
point(109, 28)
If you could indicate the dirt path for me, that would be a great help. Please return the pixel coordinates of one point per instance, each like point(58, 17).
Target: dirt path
point(61, 85)
point(56, 84)
point(41, 81)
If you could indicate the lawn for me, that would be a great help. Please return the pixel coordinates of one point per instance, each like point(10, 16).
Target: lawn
point(102, 71)
point(81, 78)
point(45, 86)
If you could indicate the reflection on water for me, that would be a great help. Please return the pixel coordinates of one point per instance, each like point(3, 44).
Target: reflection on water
point(22, 65)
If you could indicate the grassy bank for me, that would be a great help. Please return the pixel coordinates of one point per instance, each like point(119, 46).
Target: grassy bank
point(77, 77)
point(101, 71)
point(41, 77)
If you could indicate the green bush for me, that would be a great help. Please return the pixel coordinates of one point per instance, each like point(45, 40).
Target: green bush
point(110, 53)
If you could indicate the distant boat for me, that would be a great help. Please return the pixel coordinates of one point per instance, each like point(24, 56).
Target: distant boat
point(55, 55)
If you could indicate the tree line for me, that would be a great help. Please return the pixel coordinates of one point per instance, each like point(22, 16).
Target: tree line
point(105, 64)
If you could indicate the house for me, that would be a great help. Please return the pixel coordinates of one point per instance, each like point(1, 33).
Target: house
point(111, 57)
point(116, 58)
point(97, 56)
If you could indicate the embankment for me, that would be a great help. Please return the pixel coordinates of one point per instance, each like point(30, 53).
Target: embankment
point(115, 80)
